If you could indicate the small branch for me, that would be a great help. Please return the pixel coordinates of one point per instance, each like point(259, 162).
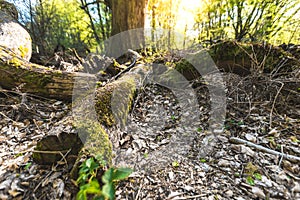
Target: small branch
point(236, 140)
point(273, 105)
point(50, 172)
point(135, 57)
point(190, 197)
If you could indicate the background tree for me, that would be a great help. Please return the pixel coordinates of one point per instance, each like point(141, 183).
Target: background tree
point(99, 13)
point(126, 15)
point(57, 23)
point(163, 14)
point(85, 24)
point(252, 19)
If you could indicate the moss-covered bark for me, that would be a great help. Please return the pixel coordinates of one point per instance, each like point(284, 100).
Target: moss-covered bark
point(242, 59)
point(35, 79)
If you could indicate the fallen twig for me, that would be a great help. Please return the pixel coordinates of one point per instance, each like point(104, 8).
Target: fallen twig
point(236, 140)
point(50, 172)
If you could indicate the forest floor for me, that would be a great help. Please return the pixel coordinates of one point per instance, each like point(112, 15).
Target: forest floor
point(258, 110)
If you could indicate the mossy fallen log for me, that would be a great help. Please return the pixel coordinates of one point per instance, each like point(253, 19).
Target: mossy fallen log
point(243, 59)
point(112, 105)
point(17, 73)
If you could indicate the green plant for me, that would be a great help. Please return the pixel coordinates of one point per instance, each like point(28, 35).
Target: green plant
point(146, 155)
point(251, 171)
point(28, 165)
point(250, 180)
point(89, 184)
point(199, 129)
point(231, 123)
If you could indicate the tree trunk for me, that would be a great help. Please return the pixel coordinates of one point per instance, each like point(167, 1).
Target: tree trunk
point(126, 15)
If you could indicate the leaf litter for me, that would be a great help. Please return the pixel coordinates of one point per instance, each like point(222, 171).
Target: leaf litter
point(229, 170)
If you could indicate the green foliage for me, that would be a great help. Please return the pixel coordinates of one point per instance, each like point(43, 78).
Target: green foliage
point(250, 180)
point(254, 20)
point(89, 185)
point(257, 176)
point(28, 165)
point(251, 171)
point(60, 22)
point(233, 123)
point(199, 129)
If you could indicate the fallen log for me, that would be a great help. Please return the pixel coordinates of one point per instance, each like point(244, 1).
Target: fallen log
point(19, 74)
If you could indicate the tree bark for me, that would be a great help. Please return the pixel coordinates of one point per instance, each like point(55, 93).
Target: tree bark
point(36, 79)
point(126, 15)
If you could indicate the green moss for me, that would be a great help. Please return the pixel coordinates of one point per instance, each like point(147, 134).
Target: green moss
point(103, 107)
point(122, 100)
point(187, 69)
point(15, 61)
point(24, 51)
point(123, 91)
point(96, 140)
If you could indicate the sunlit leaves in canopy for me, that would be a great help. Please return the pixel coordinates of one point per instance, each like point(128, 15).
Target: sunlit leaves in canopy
point(255, 20)
point(62, 22)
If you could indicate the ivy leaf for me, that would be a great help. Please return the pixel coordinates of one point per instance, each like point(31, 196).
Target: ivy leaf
point(257, 176)
point(121, 173)
point(108, 175)
point(108, 190)
point(250, 180)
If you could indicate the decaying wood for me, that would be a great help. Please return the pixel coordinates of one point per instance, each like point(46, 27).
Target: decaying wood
point(16, 73)
point(236, 140)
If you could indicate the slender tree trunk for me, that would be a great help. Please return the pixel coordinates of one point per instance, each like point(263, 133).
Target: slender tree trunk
point(86, 9)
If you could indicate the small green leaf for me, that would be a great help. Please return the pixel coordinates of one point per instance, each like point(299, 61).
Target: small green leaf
point(203, 160)
point(27, 165)
point(250, 180)
point(91, 188)
point(89, 162)
point(83, 169)
point(199, 129)
point(82, 178)
point(257, 176)
point(108, 175)
point(108, 190)
point(240, 123)
point(121, 173)
point(81, 195)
